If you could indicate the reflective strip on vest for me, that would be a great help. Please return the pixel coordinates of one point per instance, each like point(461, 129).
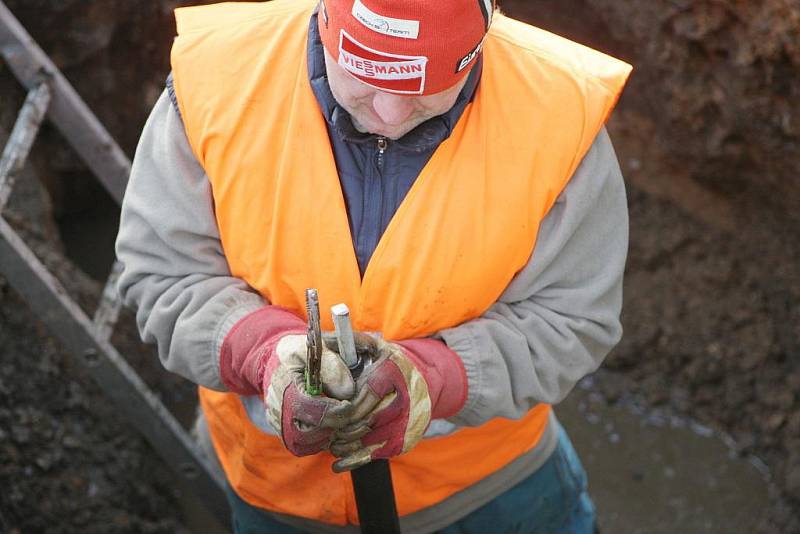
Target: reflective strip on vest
point(466, 227)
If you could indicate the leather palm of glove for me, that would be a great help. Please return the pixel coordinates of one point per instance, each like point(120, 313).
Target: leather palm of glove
point(306, 423)
point(402, 388)
point(265, 353)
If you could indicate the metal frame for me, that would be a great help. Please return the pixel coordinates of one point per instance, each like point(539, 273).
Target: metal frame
point(67, 111)
point(21, 139)
point(51, 93)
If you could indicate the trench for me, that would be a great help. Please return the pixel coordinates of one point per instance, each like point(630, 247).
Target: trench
point(724, 301)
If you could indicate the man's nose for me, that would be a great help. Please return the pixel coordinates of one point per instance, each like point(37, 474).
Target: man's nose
point(392, 109)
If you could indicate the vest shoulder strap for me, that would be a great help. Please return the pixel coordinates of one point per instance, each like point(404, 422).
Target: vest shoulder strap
point(581, 62)
point(227, 14)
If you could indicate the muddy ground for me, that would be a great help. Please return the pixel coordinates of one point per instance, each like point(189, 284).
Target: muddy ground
point(707, 136)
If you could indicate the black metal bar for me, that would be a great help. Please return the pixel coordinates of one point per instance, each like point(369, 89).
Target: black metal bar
point(377, 511)
point(67, 109)
point(21, 139)
point(372, 483)
point(48, 299)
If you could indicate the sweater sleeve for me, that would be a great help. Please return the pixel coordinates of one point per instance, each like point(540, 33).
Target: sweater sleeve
point(174, 271)
point(559, 317)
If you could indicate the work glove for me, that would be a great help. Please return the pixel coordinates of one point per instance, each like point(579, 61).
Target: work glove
point(265, 354)
point(401, 389)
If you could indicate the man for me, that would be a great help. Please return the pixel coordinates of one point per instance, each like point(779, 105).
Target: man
point(441, 169)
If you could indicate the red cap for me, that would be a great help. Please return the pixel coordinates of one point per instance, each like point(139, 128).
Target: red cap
point(415, 47)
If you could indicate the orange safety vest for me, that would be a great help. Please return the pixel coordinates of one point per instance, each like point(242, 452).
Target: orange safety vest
point(467, 225)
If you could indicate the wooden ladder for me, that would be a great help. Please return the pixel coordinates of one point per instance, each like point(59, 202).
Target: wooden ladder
point(51, 95)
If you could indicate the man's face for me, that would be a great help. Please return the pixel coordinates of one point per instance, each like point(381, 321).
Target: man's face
point(386, 114)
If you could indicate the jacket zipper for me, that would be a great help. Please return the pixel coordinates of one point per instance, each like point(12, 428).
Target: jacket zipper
point(382, 144)
point(373, 205)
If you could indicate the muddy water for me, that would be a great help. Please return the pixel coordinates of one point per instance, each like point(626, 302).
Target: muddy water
point(650, 473)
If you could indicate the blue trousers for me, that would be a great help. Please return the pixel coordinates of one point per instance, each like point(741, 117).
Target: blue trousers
point(553, 500)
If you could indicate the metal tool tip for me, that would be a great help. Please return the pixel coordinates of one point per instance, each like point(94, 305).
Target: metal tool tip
point(340, 309)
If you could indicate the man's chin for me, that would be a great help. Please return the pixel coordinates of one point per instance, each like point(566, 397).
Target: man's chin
point(382, 131)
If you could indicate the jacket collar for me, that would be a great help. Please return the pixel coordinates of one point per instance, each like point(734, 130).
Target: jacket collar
point(427, 136)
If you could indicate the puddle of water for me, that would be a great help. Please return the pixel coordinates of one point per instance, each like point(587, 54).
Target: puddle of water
point(653, 473)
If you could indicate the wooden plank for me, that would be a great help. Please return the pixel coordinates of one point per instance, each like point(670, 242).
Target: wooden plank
point(76, 122)
point(132, 397)
point(107, 313)
point(21, 139)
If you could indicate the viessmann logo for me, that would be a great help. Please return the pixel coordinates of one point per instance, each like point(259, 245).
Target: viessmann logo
point(382, 70)
point(388, 72)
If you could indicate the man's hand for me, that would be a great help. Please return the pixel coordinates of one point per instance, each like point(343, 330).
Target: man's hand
point(306, 423)
point(399, 392)
point(265, 354)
